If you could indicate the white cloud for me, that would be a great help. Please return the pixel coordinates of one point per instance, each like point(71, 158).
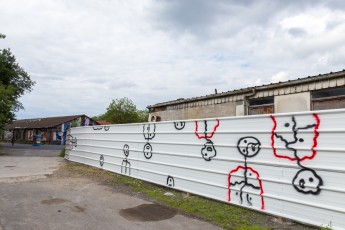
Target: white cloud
point(279, 77)
point(82, 54)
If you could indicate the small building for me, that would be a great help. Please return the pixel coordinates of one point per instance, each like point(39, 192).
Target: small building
point(51, 129)
point(326, 91)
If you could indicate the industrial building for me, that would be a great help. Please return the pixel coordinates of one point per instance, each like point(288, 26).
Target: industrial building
point(324, 91)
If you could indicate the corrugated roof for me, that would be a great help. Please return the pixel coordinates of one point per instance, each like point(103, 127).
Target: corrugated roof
point(35, 123)
point(257, 88)
point(104, 122)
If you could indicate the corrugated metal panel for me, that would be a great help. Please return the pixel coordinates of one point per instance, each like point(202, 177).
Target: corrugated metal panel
point(305, 87)
point(318, 85)
point(260, 94)
point(291, 165)
point(333, 82)
point(293, 89)
point(298, 88)
point(312, 86)
point(340, 81)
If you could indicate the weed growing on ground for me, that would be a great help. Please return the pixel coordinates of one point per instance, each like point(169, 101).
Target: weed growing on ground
point(62, 153)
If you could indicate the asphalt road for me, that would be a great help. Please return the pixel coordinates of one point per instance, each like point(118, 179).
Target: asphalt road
point(22, 150)
point(36, 193)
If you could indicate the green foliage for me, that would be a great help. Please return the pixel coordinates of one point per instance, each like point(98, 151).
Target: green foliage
point(75, 124)
point(62, 153)
point(14, 82)
point(122, 111)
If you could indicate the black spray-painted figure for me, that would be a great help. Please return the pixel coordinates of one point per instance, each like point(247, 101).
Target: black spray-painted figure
point(250, 181)
point(149, 133)
point(208, 151)
point(106, 128)
point(71, 142)
point(101, 160)
point(179, 125)
point(170, 181)
point(297, 134)
point(147, 151)
point(125, 163)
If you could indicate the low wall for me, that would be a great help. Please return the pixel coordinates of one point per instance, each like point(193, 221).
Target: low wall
point(290, 165)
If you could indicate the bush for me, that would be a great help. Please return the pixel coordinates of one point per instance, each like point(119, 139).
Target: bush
point(62, 153)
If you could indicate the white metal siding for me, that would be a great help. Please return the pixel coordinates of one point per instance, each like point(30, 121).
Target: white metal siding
point(291, 165)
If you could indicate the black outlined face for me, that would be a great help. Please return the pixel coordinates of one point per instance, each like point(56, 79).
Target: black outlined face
point(208, 151)
point(74, 142)
point(149, 131)
point(248, 146)
point(101, 160)
point(147, 151)
point(179, 125)
point(307, 181)
point(126, 150)
point(170, 181)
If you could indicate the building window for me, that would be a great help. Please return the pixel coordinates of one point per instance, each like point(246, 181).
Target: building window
point(155, 119)
point(331, 98)
point(263, 105)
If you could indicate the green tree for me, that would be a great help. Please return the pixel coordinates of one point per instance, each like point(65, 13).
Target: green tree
point(14, 82)
point(122, 111)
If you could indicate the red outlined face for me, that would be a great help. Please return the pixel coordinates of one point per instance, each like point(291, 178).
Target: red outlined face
point(245, 184)
point(295, 138)
point(207, 129)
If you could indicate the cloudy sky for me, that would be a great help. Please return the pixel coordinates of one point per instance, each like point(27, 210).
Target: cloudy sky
point(83, 53)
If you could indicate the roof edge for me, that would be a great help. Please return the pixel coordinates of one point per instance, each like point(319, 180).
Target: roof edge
point(257, 88)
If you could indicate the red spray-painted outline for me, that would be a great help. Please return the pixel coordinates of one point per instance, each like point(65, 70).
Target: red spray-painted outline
point(257, 177)
point(206, 137)
point(316, 135)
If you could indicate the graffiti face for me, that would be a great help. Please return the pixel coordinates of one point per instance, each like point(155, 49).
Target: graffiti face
point(72, 141)
point(307, 181)
point(149, 131)
point(170, 181)
point(179, 125)
point(101, 160)
point(126, 150)
point(292, 135)
point(208, 151)
point(248, 146)
point(147, 151)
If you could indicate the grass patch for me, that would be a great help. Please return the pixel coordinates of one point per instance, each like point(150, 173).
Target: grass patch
point(62, 153)
point(222, 214)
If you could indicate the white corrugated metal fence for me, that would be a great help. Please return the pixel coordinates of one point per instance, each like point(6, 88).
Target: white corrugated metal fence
point(291, 165)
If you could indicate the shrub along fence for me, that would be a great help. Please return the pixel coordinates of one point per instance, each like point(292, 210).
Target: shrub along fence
point(290, 165)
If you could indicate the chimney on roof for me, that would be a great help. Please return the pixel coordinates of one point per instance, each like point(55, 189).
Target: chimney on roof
point(215, 91)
